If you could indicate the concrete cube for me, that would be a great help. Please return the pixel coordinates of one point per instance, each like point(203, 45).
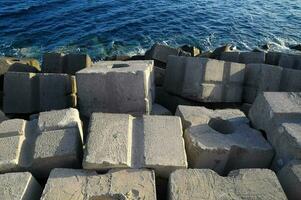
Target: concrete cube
point(19, 186)
point(230, 56)
point(12, 127)
point(122, 141)
point(222, 140)
point(290, 179)
point(30, 93)
point(290, 61)
point(76, 62)
point(124, 184)
point(252, 57)
point(271, 109)
point(116, 87)
point(272, 58)
point(161, 52)
point(20, 92)
point(53, 63)
point(157, 109)
point(204, 80)
point(260, 78)
point(204, 184)
point(291, 80)
point(159, 76)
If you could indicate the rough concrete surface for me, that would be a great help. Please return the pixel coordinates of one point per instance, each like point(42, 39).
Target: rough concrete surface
point(122, 141)
point(205, 184)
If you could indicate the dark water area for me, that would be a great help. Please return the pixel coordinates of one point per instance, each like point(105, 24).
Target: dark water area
point(103, 28)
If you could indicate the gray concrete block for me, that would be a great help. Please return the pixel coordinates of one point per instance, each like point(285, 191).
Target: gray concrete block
point(53, 63)
point(124, 184)
point(161, 52)
point(12, 127)
point(157, 109)
point(222, 140)
point(76, 62)
point(271, 109)
point(290, 61)
point(290, 179)
point(260, 78)
point(291, 80)
point(230, 56)
point(56, 149)
point(116, 87)
point(204, 80)
point(204, 184)
point(159, 76)
point(122, 141)
point(19, 186)
point(20, 92)
point(272, 58)
point(252, 57)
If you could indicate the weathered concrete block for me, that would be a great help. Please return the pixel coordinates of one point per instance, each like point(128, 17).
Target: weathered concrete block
point(124, 184)
point(230, 56)
point(116, 87)
point(122, 141)
point(290, 61)
point(159, 76)
point(19, 186)
point(290, 179)
point(252, 57)
point(12, 127)
point(157, 109)
point(20, 92)
point(291, 80)
point(222, 140)
point(76, 62)
point(204, 80)
point(271, 109)
point(53, 63)
point(260, 78)
point(272, 58)
point(204, 184)
point(29, 92)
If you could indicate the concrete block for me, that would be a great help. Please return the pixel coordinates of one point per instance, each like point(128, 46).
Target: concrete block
point(230, 56)
point(290, 179)
point(286, 140)
point(12, 127)
point(116, 87)
point(20, 92)
point(260, 78)
point(161, 52)
point(122, 141)
point(124, 184)
point(53, 63)
point(19, 186)
point(252, 57)
point(290, 80)
point(159, 76)
point(203, 184)
point(290, 61)
point(272, 58)
point(76, 62)
point(55, 149)
point(30, 92)
point(204, 80)
point(222, 140)
point(157, 109)
point(271, 109)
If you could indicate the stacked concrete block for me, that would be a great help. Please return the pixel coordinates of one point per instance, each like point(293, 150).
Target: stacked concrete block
point(31, 92)
point(279, 115)
point(291, 80)
point(83, 185)
point(157, 109)
point(159, 74)
point(204, 80)
point(290, 61)
point(244, 57)
point(116, 87)
point(272, 57)
point(290, 179)
point(19, 186)
point(222, 140)
point(123, 141)
point(260, 78)
point(205, 184)
point(52, 140)
point(69, 64)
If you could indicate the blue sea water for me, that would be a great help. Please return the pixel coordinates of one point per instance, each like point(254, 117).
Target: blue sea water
point(116, 27)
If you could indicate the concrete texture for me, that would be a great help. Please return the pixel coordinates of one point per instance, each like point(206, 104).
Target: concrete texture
point(290, 179)
point(116, 87)
point(122, 141)
point(290, 80)
point(157, 109)
point(159, 76)
point(260, 78)
point(222, 140)
point(205, 184)
point(244, 57)
point(19, 186)
point(290, 61)
point(87, 185)
point(204, 80)
point(53, 63)
point(76, 62)
point(30, 92)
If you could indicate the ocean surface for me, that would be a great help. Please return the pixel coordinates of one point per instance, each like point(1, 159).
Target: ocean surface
point(109, 27)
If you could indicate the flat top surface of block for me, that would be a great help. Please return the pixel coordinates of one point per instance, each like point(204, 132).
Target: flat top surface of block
point(117, 66)
point(197, 184)
point(284, 102)
point(12, 127)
